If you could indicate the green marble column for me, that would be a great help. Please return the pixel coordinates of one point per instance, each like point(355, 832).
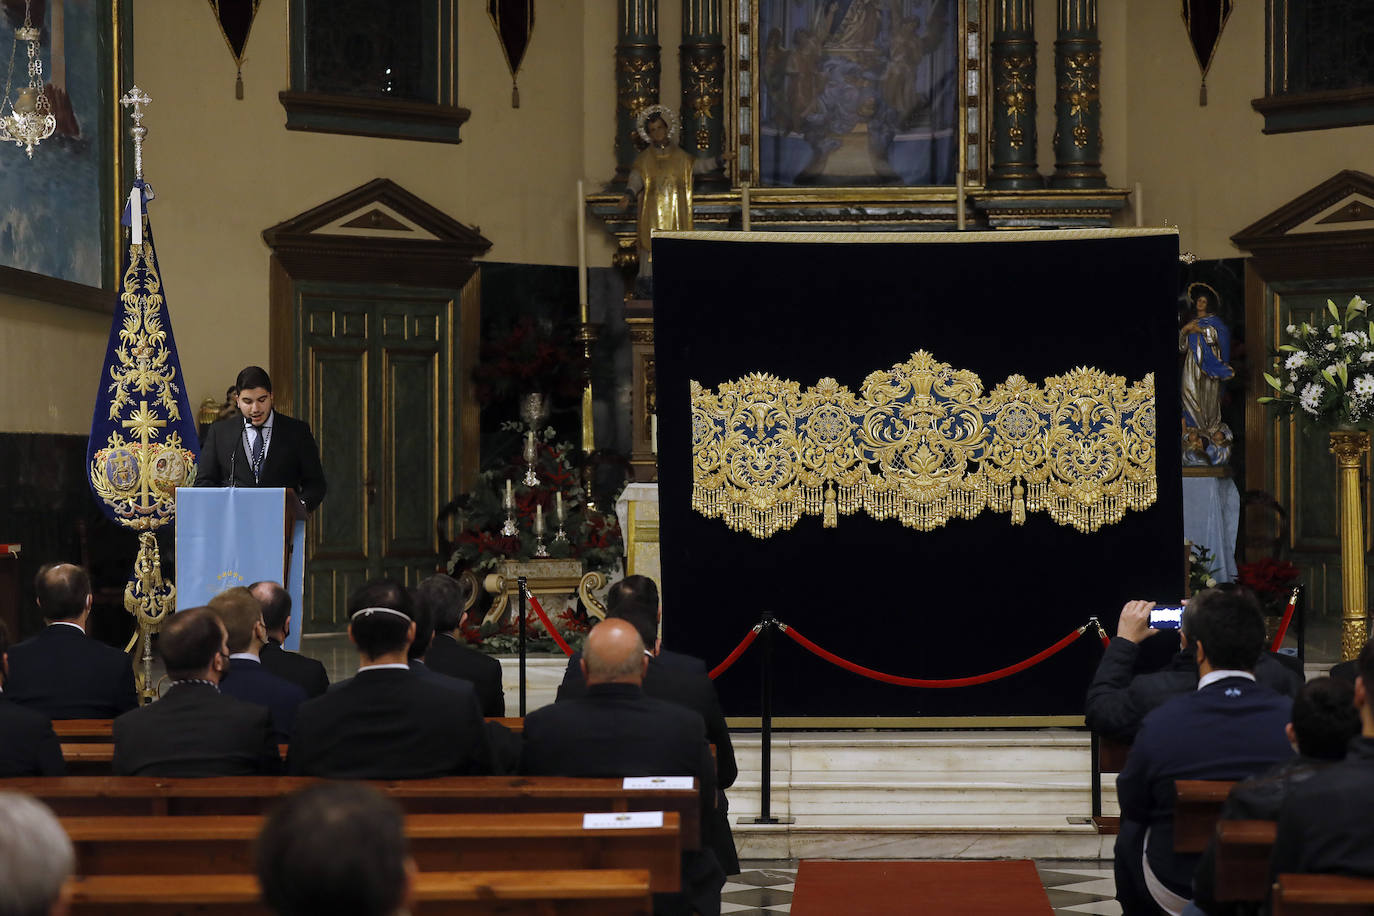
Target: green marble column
point(1013, 97)
point(636, 76)
point(702, 60)
point(1077, 103)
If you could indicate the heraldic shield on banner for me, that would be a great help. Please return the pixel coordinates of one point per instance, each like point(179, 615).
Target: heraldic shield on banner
point(143, 436)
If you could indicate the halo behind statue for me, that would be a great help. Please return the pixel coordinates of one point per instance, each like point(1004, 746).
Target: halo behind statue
point(1195, 289)
point(669, 116)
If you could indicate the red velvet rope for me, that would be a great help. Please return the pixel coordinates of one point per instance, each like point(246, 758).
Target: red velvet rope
point(920, 682)
point(548, 625)
point(733, 657)
point(1283, 624)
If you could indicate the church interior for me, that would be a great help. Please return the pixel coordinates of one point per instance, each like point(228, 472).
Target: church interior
point(427, 221)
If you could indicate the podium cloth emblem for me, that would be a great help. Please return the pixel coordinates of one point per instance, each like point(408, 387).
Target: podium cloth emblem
point(922, 443)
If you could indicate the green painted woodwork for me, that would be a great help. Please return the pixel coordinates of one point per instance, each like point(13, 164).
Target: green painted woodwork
point(376, 376)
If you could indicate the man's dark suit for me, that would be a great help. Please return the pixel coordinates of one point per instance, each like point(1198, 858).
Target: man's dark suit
point(292, 459)
point(1119, 698)
point(615, 730)
point(1327, 823)
point(1230, 729)
point(28, 745)
point(390, 723)
point(249, 681)
point(1259, 798)
point(447, 656)
point(679, 681)
point(194, 730)
point(64, 674)
point(305, 672)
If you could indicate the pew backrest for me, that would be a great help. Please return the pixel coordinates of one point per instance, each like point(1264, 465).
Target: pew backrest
point(1197, 808)
point(1323, 895)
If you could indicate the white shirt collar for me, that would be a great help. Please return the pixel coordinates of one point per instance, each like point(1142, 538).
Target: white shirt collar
point(1222, 674)
point(266, 424)
point(67, 623)
point(250, 656)
point(379, 667)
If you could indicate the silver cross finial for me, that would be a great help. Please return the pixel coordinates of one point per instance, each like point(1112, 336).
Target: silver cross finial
point(137, 99)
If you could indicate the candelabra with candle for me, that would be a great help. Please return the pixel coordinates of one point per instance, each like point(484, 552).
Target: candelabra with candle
point(539, 549)
point(530, 479)
point(508, 530)
point(560, 535)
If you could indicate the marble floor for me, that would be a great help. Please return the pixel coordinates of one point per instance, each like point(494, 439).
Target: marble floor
point(1073, 886)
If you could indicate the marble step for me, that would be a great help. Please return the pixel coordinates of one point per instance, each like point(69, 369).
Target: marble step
point(970, 794)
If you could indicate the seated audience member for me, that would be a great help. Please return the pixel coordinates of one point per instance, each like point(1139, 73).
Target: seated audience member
point(1118, 698)
point(1324, 721)
point(679, 679)
point(387, 722)
point(28, 745)
point(62, 672)
point(445, 597)
point(36, 858)
point(306, 673)
point(614, 729)
point(1230, 727)
point(194, 730)
point(337, 848)
point(246, 678)
point(1327, 823)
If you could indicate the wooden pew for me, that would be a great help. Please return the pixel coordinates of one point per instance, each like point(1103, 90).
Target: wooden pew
point(1323, 895)
point(75, 731)
point(1109, 758)
point(223, 845)
point(94, 758)
point(1242, 859)
point(1197, 808)
point(592, 892)
point(104, 796)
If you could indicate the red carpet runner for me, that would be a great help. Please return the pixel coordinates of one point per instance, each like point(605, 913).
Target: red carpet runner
point(938, 888)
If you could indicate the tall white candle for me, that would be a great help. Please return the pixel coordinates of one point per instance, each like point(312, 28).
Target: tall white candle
point(558, 504)
point(959, 199)
point(1139, 204)
point(510, 494)
point(538, 519)
point(744, 205)
point(581, 252)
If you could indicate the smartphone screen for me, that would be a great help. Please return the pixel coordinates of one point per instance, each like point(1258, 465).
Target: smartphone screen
point(1166, 616)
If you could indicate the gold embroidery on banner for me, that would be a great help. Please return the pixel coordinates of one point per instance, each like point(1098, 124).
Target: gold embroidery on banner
point(138, 477)
point(922, 443)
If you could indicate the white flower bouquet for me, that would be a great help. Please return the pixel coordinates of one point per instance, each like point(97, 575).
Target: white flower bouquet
point(1326, 371)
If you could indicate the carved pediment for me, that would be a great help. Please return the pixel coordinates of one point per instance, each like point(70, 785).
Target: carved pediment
point(381, 232)
point(1343, 204)
point(383, 210)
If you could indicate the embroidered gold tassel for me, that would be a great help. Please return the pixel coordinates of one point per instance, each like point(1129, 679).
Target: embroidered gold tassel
point(1202, 94)
point(1018, 504)
point(238, 86)
point(830, 516)
point(514, 95)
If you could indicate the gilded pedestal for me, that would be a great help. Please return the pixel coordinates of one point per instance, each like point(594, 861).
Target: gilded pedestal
point(1350, 448)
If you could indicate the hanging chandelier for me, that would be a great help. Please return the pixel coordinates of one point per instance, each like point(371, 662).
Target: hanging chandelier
point(29, 120)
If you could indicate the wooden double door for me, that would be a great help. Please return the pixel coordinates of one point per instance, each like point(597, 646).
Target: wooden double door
point(377, 376)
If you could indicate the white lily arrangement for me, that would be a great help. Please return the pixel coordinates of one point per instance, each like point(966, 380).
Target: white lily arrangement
point(1327, 371)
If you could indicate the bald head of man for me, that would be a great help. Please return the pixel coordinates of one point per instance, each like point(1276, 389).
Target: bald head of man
point(614, 654)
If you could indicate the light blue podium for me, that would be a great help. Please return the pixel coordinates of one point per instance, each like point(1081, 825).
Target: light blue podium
point(230, 536)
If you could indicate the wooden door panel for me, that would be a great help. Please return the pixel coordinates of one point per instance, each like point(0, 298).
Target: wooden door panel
point(335, 386)
point(411, 409)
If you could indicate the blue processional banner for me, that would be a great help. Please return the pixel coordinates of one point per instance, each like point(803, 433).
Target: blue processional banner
point(232, 536)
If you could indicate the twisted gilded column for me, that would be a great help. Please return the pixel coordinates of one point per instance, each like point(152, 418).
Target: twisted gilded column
point(702, 59)
point(1077, 103)
point(1013, 96)
point(636, 76)
point(1350, 448)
